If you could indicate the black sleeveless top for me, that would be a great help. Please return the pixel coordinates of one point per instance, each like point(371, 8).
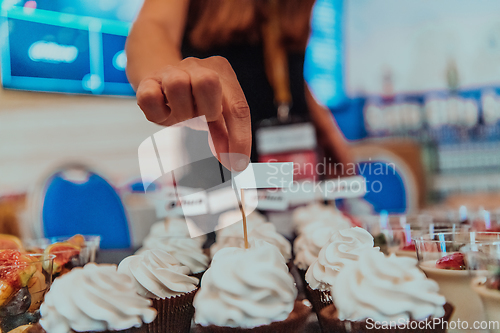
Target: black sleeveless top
point(248, 64)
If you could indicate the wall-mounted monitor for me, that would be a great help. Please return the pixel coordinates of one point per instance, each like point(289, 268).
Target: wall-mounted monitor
point(66, 46)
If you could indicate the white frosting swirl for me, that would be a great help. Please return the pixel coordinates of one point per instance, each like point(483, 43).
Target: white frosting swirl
point(245, 288)
point(312, 239)
point(385, 289)
point(94, 298)
point(264, 231)
point(186, 250)
point(303, 216)
point(343, 247)
point(157, 274)
point(172, 227)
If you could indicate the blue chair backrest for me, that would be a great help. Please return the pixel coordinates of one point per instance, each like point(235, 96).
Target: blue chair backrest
point(91, 207)
point(385, 186)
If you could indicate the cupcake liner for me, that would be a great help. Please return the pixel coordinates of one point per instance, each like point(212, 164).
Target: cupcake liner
point(331, 324)
point(293, 324)
point(198, 276)
point(302, 275)
point(37, 328)
point(319, 299)
point(174, 314)
point(290, 265)
point(142, 329)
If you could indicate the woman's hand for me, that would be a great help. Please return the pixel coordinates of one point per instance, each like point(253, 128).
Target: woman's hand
point(202, 87)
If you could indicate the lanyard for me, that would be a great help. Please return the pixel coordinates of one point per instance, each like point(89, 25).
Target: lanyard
point(276, 61)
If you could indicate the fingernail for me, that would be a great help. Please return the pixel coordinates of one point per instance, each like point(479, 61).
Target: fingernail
point(240, 164)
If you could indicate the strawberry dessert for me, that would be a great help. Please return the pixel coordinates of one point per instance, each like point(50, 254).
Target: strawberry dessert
point(455, 261)
point(24, 279)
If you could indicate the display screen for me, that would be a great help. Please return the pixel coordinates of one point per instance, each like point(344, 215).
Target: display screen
point(66, 46)
point(391, 67)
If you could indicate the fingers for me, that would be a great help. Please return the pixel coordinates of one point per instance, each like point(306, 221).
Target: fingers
point(219, 143)
point(206, 87)
point(151, 100)
point(207, 91)
point(236, 114)
point(176, 86)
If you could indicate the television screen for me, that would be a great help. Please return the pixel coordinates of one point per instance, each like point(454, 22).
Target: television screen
point(66, 46)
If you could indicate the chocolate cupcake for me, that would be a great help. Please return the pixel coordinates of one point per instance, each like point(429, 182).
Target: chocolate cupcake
point(173, 227)
point(95, 298)
point(343, 247)
point(249, 290)
point(312, 239)
point(305, 215)
point(163, 279)
point(186, 250)
point(384, 294)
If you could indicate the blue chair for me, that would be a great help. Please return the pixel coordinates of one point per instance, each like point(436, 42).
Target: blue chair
point(85, 204)
point(385, 186)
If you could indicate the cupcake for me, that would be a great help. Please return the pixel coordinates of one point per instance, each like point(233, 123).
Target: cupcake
point(313, 238)
point(157, 275)
point(390, 293)
point(95, 298)
point(313, 212)
point(249, 290)
point(343, 247)
point(173, 227)
point(186, 250)
point(233, 237)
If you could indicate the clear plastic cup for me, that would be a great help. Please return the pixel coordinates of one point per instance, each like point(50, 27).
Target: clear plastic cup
point(443, 257)
point(484, 265)
point(69, 252)
point(394, 233)
point(25, 279)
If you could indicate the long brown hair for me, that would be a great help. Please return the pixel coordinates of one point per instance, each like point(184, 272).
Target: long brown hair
point(220, 22)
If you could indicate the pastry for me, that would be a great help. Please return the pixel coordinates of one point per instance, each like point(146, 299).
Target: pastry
point(186, 250)
point(68, 252)
point(378, 290)
point(172, 227)
point(24, 280)
point(95, 298)
point(249, 290)
point(312, 239)
point(158, 276)
point(344, 246)
point(314, 212)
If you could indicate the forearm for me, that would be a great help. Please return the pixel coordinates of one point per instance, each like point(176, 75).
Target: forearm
point(329, 133)
point(149, 48)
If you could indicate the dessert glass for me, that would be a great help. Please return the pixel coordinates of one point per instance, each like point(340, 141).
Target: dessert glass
point(484, 259)
point(394, 233)
point(25, 279)
point(69, 252)
point(441, 257)
point(401, 229)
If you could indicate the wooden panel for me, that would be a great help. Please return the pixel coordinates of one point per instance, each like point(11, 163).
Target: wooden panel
point(39, 131)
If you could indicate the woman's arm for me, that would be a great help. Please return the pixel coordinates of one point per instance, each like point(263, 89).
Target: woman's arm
point(155, 38)
point(171, 90)
point(330, 136)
